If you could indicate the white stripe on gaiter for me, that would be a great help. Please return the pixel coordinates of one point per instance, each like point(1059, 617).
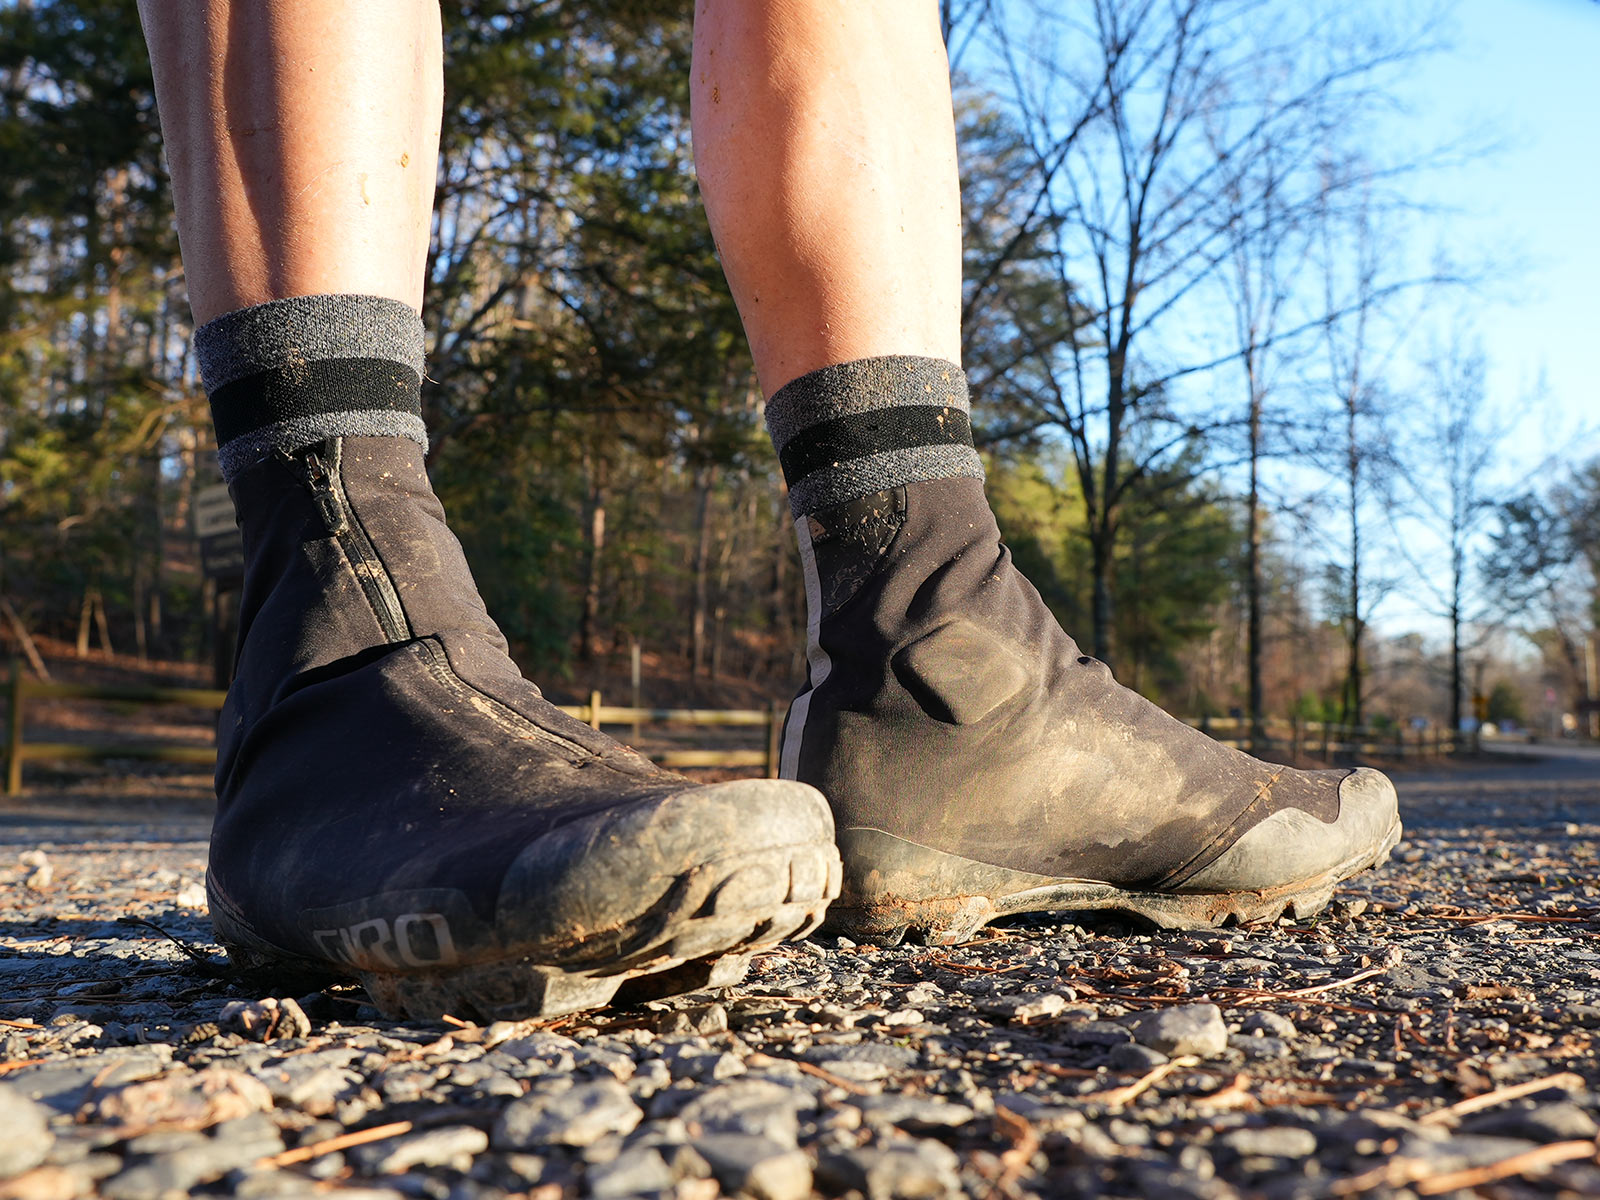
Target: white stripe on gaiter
point(818, 664)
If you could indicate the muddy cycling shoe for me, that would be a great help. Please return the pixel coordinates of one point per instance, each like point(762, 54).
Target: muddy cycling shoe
point(978, 764)
point(397, 804)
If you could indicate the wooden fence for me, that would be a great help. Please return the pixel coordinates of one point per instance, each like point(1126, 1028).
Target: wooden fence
point(1297, 739)
point(20, 690)
point(1326, 740)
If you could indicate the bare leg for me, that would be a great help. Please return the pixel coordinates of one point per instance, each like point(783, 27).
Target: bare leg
point(302, 136)
point(825, 145)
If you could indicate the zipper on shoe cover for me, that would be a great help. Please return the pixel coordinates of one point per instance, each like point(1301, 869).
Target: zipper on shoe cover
point(321, 478)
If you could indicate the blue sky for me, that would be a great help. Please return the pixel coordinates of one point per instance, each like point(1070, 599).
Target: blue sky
point(1519, 81)
point(1524, 77)
point(1525, 73)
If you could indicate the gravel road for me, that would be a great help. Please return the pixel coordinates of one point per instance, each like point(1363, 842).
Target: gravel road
point(1433, 1034)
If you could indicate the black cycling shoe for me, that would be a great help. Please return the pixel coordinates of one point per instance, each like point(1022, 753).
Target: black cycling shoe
point(978, 764)
point(397, 804)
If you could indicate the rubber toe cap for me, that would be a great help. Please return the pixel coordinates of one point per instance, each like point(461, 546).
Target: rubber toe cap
point(1293, 847)
point(598, 875)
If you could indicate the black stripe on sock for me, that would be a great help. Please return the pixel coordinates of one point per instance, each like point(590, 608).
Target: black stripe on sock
point(881, 431)
point(312, 389)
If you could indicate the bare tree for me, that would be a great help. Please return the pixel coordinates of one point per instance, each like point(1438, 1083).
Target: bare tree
point(1445, 489)
point(1160, 148)
point(1360, 346)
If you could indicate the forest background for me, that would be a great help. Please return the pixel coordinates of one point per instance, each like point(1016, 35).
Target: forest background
point(1218, 372)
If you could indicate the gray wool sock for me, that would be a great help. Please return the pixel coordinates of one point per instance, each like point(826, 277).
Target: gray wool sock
point(288, 373)
point(866, 426)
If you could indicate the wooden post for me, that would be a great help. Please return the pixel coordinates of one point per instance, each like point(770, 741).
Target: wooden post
point(102, 624)
point(594, 710)
point(1294, 738)
point(14, 742)
point(637, 680)
point(774, 737)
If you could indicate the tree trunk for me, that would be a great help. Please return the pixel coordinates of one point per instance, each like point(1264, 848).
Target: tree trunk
point(85, 615)
point(702, 570)
point(1352, 688)
point(589, 621)
point(1101, 608)
point(778, 610)
point(1253, 575)
point(1455, 667)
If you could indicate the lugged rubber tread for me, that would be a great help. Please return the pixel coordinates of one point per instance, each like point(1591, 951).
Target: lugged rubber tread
point(954, 919)
point(690, 945)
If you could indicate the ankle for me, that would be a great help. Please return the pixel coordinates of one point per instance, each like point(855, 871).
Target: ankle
point(284, 375)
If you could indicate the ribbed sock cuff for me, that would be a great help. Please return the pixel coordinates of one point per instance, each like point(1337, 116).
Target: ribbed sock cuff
point(288, 373)
point(866, 426)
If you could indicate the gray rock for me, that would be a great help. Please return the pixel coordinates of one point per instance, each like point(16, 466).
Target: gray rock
point(898, 1171)
point(164, 1141)
point(1269, 1024)
point(1127, 1133)
point(749, 1164)
point(236, 1145)
point(264, 1020)
point(576, 1116)
point(1559, 1121)
point(633, 1171)
point(891, 1056)
point(602, 1150)
point(1092, 1033)
point(1283, 1141)
point(752, 1106)
point(703, 1019)
point(1462, 1151)
point(1130, 1056)
point(854, 1069)
point(1029, 1006)
point(1042, 1113)
point(1587, 1015)
point(923, 994)
point(539, 1051)
point(649, 1078)
point(27, 1138)
point(708, 1068)
point(311, 1087)
point(1259, 1047)
point(449, 1146)
point(63, 1084)
point(916, 1114)
point(1187, 1029)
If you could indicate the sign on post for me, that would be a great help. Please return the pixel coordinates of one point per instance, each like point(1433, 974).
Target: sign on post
point(221, 547)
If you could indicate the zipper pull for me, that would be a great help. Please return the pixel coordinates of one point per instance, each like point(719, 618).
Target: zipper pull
point(319, 480)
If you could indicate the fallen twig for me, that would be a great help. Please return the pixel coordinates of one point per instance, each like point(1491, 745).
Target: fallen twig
point(1566, 1080)
point(1423, 1178)
point(328, 1145)
point(1482, 918)
point(1061, 1072)
point(951, 964)
point(839, 1081)
point(1236, 1095)
point(1529, 1161)
point(1013, 1161)
point(214, 967)
point(1118, 1097)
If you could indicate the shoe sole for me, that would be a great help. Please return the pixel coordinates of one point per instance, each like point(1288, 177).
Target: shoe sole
point(700, 935)
point(883, 868)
